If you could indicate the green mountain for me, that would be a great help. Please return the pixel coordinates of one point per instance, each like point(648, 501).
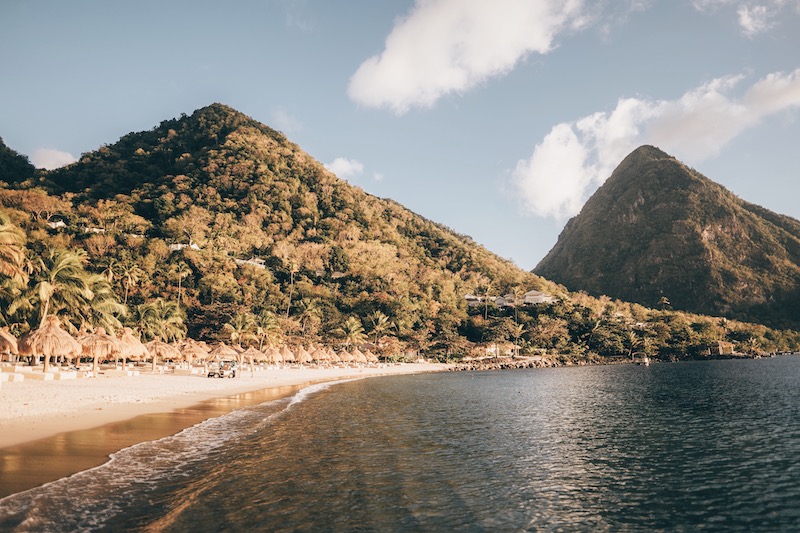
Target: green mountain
point(261, 226)
point(219, 223)
point(659, 229)
point(14, 166)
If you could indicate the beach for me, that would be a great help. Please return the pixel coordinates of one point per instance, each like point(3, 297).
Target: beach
point(32, 410)
point(52, 429)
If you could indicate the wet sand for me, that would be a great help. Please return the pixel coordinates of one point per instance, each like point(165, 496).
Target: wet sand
point(53, 429)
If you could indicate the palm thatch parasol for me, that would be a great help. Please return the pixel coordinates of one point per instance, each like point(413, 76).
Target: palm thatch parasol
point(319, 355)
point(302, 355)
point(100, 344)
point(360, 357)
point(223, 351)
point(273, 355)
point(252, 354)
point(158, 348)
point(192, 350)
point(49, 340)
point(132, 347)
point(8, 343)
point(287, 354)
point(371, 357)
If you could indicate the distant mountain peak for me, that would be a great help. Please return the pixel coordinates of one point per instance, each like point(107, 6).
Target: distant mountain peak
point(659, 229)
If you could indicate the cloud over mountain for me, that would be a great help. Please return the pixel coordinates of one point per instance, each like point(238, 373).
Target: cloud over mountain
point(574, 158)
point(447, 46)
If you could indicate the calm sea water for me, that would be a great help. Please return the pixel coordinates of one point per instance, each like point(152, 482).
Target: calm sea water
point(677, 447)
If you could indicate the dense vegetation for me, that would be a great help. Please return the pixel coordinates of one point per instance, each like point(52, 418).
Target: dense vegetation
point(658, 229)
point(217, 226)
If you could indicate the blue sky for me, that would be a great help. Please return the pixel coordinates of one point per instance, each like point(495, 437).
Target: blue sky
point(498, 119)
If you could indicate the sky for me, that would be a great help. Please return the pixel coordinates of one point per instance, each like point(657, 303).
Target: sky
point(498, 118)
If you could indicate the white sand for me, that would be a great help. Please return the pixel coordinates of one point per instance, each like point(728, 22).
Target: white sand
point(30, 410)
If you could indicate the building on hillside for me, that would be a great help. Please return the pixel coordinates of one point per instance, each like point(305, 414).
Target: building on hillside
point(473, 301)
point(181, 246)
point(256, 262)
point(537, 297)
point(721, 348)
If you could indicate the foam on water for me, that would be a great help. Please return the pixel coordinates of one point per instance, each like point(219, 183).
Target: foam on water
point(89, 499)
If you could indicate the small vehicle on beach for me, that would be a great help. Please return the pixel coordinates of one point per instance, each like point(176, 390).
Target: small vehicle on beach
point(225, 369)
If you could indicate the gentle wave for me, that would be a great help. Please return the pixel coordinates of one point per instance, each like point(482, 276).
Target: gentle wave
point(89, 499)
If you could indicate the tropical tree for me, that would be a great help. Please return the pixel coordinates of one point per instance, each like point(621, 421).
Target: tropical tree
point(59, 283)
point(131, 275)
point(241, 328)
point(160, 319)
point(267, 329)
point(104, 309)
point(182, 271)
point(380, 325)
point(310, 316)
point(352, 331)
point(12, 250)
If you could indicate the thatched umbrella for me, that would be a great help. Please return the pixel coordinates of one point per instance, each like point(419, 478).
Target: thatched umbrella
point(250, 354)
point(319, 355)
point(273, 355)
point(132, 347)
point(360, 357)
point(302, 355)
point(346, 357)
point(49, 340)
point(157, 349)
point(371, 357)
point(192, 350)
point(287, 354)
point(100, 344)
point(8, 344)
point(223, 351)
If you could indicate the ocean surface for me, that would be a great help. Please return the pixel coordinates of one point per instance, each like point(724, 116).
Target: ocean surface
point(711, 446)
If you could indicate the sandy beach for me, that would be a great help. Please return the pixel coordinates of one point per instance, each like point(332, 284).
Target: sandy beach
point(31, 410)
point(51, 429)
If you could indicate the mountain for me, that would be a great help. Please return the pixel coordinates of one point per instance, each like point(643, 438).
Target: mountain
point(14, 166)
point(219, 223)
point(659, 229)
point(261, 226)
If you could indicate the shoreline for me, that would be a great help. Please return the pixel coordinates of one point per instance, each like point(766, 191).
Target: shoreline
point(57, 428)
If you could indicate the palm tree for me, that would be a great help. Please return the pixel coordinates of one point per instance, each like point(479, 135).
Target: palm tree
point(182, 271)
point(380, 324)
point(310, 313)
point(293, 269)
point(131, 275)
point(241, 328)
point(59, 283)
point(267, 329)
point(160, 319)
point(352, 331)
point(104, 309)
point(12, 250)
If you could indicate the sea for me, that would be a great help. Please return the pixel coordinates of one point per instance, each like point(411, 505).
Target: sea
point(691, 446)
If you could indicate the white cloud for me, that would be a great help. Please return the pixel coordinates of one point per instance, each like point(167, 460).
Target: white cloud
point(754, 17)
point(345, 168)
point(50, 159)
point(575, 158)
point(285, 122)
point(446, 46)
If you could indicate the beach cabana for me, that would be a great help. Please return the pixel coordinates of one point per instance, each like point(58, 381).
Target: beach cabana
point(287, 354)
point(8, 344)
point(100, 344)
point(49, 341)
point(252, 354)
point(132, 347)
point(158, 348)
point(191, 350)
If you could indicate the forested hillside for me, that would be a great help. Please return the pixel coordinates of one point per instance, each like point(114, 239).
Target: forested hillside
point(218, 226)
point(658, 230)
